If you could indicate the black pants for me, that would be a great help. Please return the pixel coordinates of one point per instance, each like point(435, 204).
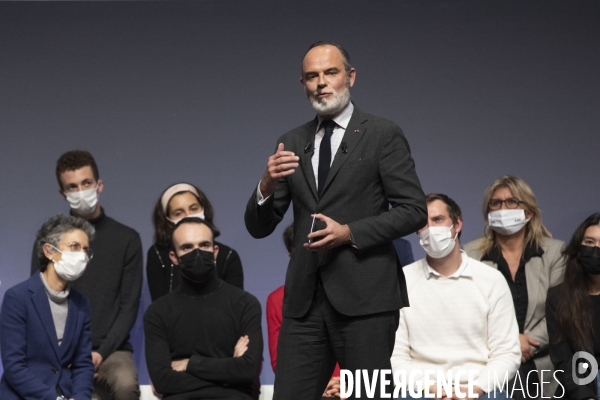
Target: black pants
point(529, 382)
point(309, 347)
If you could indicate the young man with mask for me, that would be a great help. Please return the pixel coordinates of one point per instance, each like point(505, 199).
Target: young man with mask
point(461, 316)
point(204, 339)
point(113, 278)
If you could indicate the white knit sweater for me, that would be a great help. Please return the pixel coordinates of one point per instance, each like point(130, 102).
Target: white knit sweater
point(462, 322)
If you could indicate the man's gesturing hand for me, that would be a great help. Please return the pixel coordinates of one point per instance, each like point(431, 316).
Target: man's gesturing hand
point(333, 235)
point(281, 164)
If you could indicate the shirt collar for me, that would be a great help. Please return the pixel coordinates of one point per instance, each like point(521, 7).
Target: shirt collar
point(342, 119)
point(463, 271)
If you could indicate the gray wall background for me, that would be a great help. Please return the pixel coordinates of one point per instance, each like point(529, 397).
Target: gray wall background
point(162, 92)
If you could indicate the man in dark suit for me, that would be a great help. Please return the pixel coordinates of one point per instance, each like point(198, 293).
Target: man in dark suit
point(357, 180)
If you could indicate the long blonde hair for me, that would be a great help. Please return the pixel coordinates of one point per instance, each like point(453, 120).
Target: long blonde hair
point(535, 229)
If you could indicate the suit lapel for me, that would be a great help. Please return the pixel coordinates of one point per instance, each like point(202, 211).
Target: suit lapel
point(306, 157)
point(70, 326)
point(533, 274)
point(42, 306)
point(354, 132)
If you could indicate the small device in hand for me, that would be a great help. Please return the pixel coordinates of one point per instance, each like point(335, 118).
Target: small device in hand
point(316, 225)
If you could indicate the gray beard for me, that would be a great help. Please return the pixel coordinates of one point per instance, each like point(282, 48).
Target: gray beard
point(333, 106)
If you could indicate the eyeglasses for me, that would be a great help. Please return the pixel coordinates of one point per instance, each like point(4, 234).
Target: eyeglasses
point(512, 203)
point(76, 247)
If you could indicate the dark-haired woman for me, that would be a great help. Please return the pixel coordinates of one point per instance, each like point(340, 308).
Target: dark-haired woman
point(45, 336)
point(517, 243)
point(573, 314)
point(177, 202)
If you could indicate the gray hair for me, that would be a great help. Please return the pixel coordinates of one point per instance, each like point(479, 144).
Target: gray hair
point(53, 229)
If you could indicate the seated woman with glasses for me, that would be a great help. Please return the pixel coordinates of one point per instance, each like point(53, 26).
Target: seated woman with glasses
point(517, 243)
point(45, 337)
point(573, 310)
point(177, 202)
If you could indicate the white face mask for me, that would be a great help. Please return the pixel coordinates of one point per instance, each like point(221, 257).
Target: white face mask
point(198, 215)
point(507, 222)
point(83, 202)
point(437, 241)
point(71, 265)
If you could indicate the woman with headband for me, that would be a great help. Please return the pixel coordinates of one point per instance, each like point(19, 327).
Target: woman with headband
point(177, 202)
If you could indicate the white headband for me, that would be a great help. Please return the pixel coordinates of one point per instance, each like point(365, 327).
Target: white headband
point(178, 187)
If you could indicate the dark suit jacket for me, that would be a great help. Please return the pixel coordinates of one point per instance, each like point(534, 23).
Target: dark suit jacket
point(34, 364)
point(376, 172)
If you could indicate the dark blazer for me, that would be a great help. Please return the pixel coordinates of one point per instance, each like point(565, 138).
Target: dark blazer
point(34, 364)
point(376, 172)
point(561, 353)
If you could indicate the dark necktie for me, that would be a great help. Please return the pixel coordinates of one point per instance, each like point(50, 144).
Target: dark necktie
point(325, 153)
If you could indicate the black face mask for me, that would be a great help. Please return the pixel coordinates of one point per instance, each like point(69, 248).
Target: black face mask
point(589, 259)
point(197, 265)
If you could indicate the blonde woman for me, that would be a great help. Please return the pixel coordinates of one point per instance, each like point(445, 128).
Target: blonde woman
point(517, 243)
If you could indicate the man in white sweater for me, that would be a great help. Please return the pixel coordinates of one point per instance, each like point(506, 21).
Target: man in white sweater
point(461, 318)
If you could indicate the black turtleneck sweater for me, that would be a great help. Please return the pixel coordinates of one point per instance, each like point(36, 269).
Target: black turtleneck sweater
point(203, 322)
point(112, 282)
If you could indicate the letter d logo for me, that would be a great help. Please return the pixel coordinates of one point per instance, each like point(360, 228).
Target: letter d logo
point(583, 367)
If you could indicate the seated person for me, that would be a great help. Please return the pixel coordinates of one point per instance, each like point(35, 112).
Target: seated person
point(573, 315)
point(175, 203)
point(45, 337)
point(275, 315)
point(204, 339)
point(112, 281)
point(461, 316)
point(516, 243)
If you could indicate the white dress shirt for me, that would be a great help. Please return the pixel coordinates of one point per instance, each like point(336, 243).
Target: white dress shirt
point(342, 121)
